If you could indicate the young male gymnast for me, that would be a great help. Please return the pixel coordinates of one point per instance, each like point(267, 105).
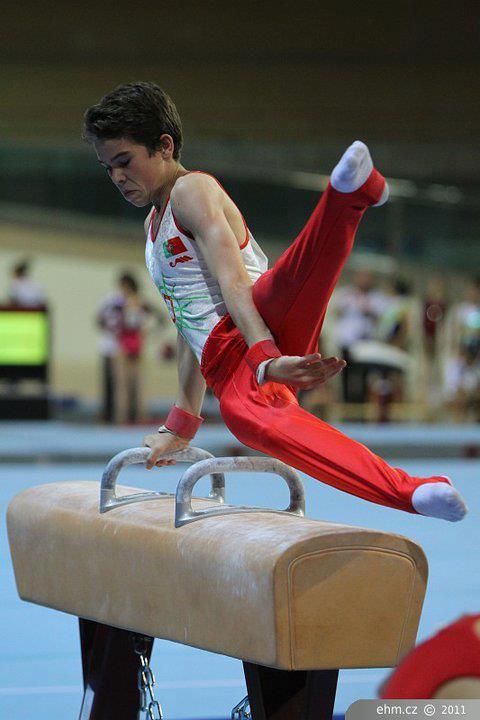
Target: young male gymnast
point(248, 332)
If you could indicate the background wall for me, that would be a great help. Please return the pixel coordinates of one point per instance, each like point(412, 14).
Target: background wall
point(77, 274)
point(401, 75)
point(269, 93)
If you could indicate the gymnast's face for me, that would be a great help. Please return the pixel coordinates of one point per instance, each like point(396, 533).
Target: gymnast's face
point(138, 175)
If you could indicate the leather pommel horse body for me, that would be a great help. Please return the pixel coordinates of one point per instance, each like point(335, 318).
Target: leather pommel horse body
point(294, 599)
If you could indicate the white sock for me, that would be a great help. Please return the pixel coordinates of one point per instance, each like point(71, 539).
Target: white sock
point(353, 170)
point(439, 500)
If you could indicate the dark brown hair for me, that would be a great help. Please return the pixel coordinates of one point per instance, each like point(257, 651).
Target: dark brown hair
point(140, 111)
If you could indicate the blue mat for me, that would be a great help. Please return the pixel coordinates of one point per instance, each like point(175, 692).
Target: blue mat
point(40, 670)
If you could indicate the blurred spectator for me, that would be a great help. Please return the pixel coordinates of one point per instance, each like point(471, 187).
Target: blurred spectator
point(397, 321)
point(131, 337)
point(399, 327)
point(357, 309)
point(23, 291)
point(435, 308)
point(462, 366)
point(464, 317)
point(434, 312)
point(109, 321)
point(462, 383)
point(123, 318)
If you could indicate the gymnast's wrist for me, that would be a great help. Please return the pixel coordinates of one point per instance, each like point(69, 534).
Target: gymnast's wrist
point(260, 352)
point(262, 371)
point(181, 423)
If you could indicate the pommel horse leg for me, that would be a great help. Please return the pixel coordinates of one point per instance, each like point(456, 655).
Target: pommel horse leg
point(290, 694)
point(110, 671)
point(111, 666)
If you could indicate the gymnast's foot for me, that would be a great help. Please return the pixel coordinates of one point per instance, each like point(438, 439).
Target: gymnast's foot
point(353, 170)
point(439, 500)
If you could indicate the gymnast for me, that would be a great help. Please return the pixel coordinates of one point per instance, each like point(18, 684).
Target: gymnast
point(248, 332)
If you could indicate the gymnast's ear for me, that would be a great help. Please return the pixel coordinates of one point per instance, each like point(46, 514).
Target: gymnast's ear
point(167, 147)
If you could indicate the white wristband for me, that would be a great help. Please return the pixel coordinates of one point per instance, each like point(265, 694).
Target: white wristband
point(261, 370)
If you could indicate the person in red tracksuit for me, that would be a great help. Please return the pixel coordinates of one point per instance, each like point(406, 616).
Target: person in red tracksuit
point(451, 654)
point(249, 332)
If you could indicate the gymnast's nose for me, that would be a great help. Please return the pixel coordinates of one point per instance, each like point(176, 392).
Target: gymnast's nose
point(118, 176)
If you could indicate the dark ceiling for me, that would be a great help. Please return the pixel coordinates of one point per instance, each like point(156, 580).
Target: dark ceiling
point(394, 73)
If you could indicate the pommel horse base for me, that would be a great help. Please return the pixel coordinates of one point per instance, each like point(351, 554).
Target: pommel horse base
point(295, 599)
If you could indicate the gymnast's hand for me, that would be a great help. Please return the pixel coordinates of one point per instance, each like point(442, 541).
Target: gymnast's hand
point(303, 372)
point(163, 444)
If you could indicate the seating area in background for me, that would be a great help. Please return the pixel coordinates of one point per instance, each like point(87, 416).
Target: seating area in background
point(412, 349)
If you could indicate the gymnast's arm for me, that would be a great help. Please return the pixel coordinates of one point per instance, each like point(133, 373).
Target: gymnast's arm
point(191, 391)
point(191, 383)
point(198, 204)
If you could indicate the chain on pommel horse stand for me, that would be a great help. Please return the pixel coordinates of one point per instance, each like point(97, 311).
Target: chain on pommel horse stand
point(295, 599)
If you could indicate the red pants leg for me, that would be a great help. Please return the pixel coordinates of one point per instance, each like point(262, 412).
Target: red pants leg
point(292, 298)
point(269, 419)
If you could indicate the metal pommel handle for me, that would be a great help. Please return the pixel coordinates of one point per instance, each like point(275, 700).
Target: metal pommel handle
point(184, 512)
point(108, 498)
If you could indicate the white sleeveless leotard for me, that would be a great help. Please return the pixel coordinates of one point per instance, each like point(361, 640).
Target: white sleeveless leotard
point(191, 293)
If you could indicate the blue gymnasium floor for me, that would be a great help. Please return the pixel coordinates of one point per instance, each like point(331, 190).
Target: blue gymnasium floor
point(40, 671)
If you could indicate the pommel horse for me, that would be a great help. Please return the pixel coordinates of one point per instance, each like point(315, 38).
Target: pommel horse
point(295, 599)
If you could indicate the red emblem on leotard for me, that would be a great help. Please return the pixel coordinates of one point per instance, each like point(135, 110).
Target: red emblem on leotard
point(174, 246)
